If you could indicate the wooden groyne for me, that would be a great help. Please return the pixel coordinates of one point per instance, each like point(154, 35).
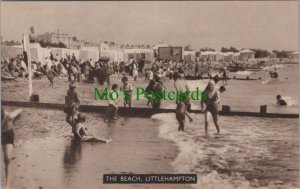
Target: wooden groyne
point(145, 112)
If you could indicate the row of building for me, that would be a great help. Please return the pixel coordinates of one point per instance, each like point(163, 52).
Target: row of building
point(88, 50)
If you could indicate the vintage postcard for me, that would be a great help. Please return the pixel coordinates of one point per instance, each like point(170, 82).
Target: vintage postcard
point(150, 94)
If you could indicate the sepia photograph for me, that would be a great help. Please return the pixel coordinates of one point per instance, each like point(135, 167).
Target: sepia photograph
point(149, 94)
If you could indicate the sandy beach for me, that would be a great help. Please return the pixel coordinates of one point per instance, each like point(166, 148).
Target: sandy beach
point(46, 157)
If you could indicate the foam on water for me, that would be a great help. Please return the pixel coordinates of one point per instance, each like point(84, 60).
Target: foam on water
point(290, 101)
point(213, 158)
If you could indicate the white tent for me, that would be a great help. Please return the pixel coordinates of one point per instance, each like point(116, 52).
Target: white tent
point(38, 53)
point(10, 51)
point(87, 53)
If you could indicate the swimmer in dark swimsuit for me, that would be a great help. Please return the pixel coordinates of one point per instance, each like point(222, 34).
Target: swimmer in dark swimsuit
point(7, 140)
point(211, 103)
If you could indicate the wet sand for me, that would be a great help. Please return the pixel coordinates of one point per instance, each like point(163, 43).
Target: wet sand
point(46, 157)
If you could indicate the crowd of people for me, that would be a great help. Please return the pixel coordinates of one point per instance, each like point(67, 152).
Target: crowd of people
point(100, 71)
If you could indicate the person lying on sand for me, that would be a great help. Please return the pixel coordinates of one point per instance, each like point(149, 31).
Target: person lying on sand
point(82, 134)
point(7, 140)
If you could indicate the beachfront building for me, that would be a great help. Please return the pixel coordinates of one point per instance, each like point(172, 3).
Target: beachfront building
point(70, 41)
point(246, 55)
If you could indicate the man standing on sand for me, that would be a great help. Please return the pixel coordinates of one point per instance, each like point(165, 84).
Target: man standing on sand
point(7, 140)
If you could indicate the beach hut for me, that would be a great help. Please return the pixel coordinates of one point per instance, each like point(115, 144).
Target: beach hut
point(208, 55)
point(138, 53)
point(236, 56)
point(189, 56)
point(104, 51)
point(246, 55)
point(228, 56)
point(294, 55)
point(88, 53)
point(10, 51)
point(63, 52)
point(38, 53)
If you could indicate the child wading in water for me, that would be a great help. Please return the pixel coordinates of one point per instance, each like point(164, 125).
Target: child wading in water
point(50, 75)
point(127, 88)
point(149, 91)
point(112, 109)
point(7, 140)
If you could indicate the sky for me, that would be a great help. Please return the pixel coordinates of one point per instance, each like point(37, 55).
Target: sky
point(259, 24)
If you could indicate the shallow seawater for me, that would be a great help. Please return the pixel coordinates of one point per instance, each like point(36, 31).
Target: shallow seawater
point(249, 95)
point(249, 152)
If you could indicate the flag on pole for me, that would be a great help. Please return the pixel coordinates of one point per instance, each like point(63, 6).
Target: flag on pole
point(32, 29)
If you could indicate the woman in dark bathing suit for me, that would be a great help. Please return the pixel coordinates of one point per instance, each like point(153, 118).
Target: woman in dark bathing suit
point(211, 104)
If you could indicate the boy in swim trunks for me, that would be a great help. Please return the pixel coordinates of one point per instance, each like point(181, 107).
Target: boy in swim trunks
point(127, 88)
point(112, 108)
point(7, 140)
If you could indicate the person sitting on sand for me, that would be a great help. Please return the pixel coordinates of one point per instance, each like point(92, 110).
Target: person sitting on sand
point(82, 134)
point(7, 140)
point(280, 101)
point(212, 100)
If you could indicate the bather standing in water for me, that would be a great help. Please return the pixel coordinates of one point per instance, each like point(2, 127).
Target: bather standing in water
point(211, 102)
point(182, 100)
point(7, 140)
